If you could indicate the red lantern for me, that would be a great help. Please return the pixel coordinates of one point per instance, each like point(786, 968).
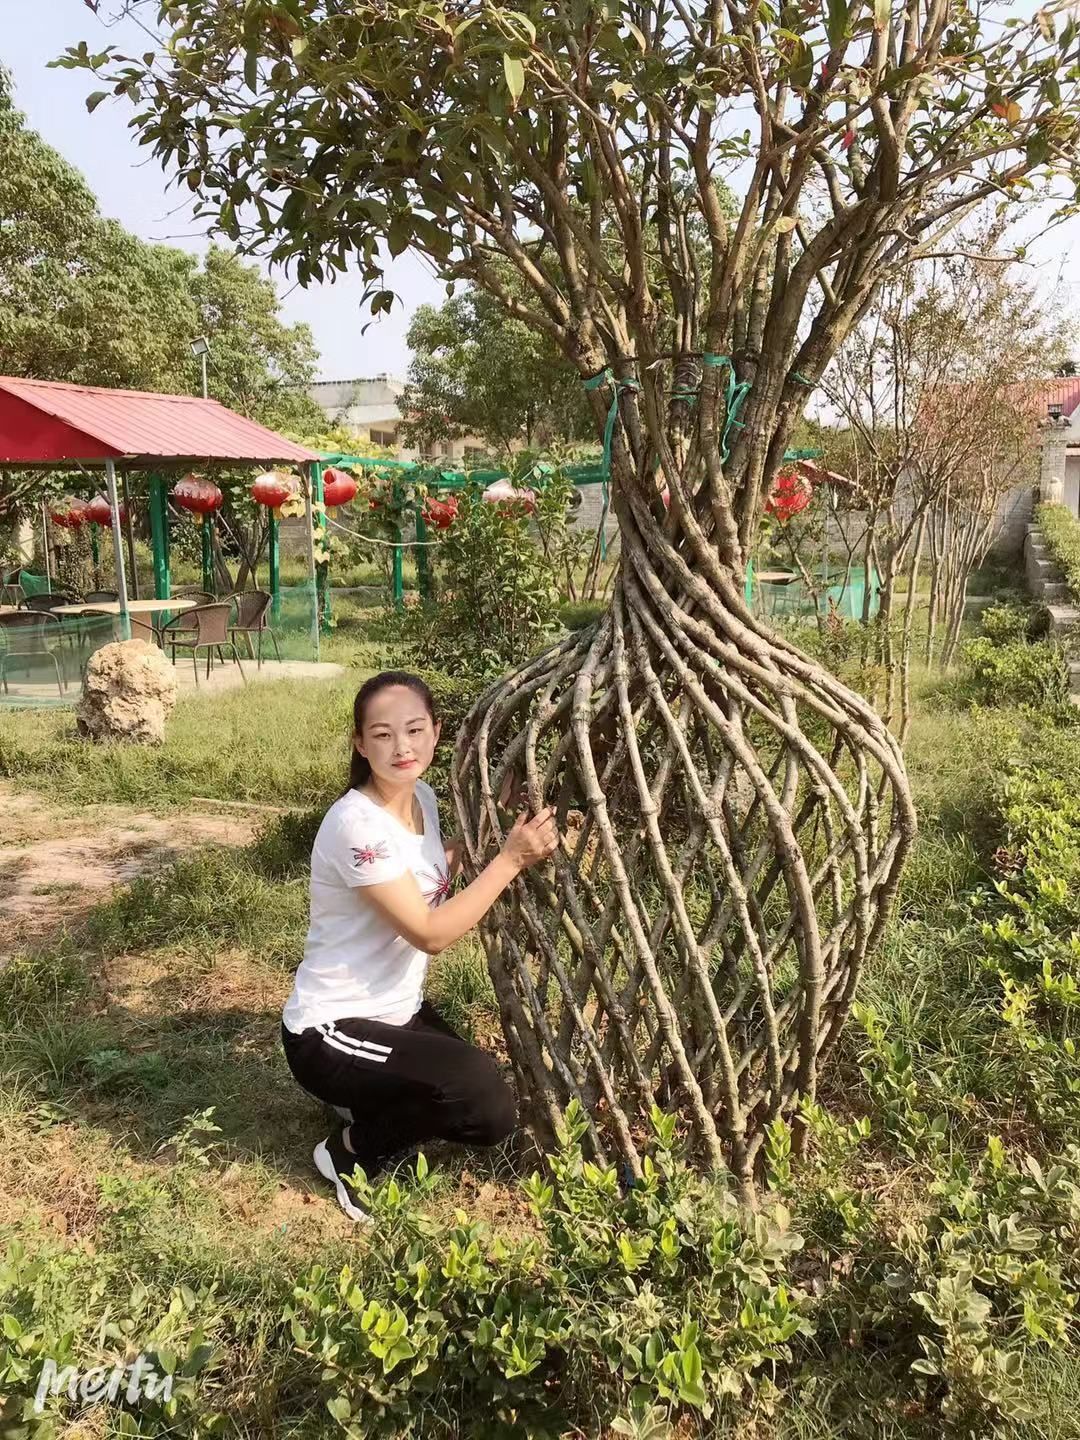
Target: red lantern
point(197, 494)
point(272, 489)
point(70, 512)
point(791, 493)
point(440, 513)
point(338, 487)
point(100, 511)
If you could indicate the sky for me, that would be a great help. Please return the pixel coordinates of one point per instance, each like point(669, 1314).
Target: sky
point(132, 188)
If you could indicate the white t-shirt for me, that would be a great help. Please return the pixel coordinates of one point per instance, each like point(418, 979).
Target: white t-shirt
point(354, 963)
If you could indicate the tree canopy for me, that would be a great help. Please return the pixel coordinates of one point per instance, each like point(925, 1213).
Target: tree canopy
point(560, 139)
point(82, 299)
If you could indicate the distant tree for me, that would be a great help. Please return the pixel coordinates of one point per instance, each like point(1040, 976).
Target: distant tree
point(83, 300)
point(935, 387)
point(259, 366)
point(476, 371)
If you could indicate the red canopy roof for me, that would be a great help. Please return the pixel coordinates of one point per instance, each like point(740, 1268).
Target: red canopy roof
point(46, 422)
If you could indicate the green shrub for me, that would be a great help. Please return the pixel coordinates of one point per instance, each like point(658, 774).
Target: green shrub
point(1018, 673)
point(1062, 532)
point(1005, 624)
point(662, 1296)
point(499, 571)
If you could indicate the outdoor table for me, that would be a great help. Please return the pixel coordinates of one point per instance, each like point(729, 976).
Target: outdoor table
point(779, 578)
point(135, 607)
point(9, 609)
point(776, 577)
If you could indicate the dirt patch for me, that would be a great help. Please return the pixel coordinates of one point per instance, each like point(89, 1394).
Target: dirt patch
point(54, 866)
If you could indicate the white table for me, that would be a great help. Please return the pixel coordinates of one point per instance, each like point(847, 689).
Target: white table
point(135, 607)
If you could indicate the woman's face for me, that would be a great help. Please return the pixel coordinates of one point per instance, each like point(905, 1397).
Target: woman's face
point(398, 737)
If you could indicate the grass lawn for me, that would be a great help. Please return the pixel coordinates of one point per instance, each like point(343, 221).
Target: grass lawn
point(155, 1153)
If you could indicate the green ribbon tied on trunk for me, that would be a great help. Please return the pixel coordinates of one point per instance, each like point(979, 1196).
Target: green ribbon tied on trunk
point(607, 377)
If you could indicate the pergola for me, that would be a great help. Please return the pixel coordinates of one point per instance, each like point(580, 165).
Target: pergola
point(48, 424)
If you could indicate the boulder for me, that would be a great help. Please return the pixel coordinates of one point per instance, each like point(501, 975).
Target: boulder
point(128, 692)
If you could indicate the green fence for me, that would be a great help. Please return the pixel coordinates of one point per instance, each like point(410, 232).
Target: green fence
point(42, 664)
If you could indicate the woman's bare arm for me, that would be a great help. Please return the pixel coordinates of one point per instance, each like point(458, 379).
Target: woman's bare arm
point(402, 906)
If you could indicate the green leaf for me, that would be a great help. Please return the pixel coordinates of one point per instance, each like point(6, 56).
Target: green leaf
point(837, 22)
point(339, 1408)
point(638, 36)
point(94, 100)
point(691, 1365)
point(514, 71)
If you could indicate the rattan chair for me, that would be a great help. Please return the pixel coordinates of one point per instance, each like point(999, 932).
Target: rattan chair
point(27, 634)
point(252, 618)
point(204, 628)
point(98, 597)
point(12, 593)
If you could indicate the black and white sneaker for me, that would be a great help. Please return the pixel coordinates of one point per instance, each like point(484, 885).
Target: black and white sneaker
point(333, 1161)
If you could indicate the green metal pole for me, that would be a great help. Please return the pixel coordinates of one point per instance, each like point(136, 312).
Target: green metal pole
point(129, 537)
point(398, 570)
point(309, 515)
point(273, 554)
point(322, 571)
point(423, 576)
point(208, 555)
point(159, 536)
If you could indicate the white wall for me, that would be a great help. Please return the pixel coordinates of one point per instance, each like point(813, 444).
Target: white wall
point(1072, 483)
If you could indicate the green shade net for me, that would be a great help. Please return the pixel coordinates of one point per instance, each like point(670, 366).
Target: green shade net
point(42, 665)
point(846, 594)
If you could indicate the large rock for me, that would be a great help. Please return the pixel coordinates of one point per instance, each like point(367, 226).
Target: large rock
point(129, 690)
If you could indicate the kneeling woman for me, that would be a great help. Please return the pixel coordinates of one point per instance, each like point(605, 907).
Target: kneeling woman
point(357, 1032)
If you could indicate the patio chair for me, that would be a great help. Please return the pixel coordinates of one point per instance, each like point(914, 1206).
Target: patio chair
point(12, 593)
point(27, 634)
point(48, 600)
point(252, 618)
point(190, 592)
point(204, 628)
point(99, 597)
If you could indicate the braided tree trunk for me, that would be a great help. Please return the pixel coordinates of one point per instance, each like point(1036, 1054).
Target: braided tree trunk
point(733, 823)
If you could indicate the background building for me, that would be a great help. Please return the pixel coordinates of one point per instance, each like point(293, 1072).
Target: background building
point(371, 405)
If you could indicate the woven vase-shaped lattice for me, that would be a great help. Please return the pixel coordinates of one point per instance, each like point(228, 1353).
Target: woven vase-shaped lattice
point(733, 824)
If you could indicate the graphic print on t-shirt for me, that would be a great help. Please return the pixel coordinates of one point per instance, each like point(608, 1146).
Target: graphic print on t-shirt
point(368, 854)
point(435, 885)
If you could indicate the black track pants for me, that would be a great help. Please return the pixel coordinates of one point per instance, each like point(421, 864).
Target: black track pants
point(403, 1083)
